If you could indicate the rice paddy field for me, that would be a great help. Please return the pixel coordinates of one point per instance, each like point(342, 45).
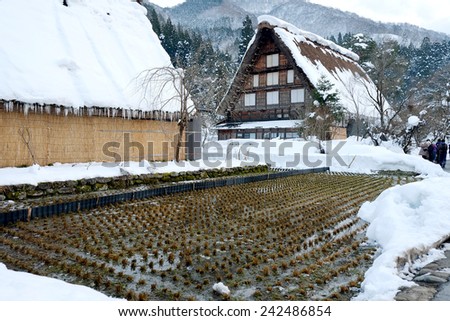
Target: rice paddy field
point(295, 238)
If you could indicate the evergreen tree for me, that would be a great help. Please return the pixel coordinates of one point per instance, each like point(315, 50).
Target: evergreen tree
point(154, 20)
point(325, 111)
point(183, 48)
point(347, 39)
point(169, 38)
point(247, 33)
point(332, 38)
point(339, 39)
point(197, 41)
point(425, 59)
point(360, 44)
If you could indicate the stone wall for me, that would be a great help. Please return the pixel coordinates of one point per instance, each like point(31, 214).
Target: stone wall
point(48, 189)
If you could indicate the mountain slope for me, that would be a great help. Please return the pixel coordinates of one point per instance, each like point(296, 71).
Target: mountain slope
point(212, 17)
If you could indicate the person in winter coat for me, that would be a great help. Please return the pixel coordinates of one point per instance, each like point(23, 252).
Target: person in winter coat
point(424, 149)
point(442, 152)
point(432, 149)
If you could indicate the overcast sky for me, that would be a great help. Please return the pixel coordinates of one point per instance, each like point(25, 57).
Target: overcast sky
point(430, 14)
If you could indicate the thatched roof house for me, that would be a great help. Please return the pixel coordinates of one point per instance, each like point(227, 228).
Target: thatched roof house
point(282, 65)
point(72, 82)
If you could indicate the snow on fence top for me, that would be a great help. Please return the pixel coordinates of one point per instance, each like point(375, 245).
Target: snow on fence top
point(86, 54)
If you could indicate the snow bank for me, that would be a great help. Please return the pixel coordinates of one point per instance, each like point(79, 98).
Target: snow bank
point(364, 158)
point(412, 217)
point(341, 156)
point(36, 174)
point(20, 286)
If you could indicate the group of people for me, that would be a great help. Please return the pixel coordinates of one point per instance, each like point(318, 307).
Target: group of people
point(436, 153)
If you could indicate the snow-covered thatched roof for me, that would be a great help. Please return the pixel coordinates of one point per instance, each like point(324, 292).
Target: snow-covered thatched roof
point(317, 58)
point(86, 54)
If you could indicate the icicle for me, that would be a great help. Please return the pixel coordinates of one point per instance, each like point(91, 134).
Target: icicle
point(26, 107)
point(9, 106)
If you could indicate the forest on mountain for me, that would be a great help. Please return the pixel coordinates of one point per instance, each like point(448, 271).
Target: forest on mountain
point(415, 80)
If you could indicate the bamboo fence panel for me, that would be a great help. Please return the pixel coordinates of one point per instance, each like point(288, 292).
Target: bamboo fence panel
point(50, 138)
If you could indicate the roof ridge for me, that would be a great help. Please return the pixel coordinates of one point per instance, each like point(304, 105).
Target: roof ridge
point(271, 22)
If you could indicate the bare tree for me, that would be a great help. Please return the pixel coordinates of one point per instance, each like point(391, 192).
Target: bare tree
point(165, 88)
point(353, 94)
point(208, 83)
point(431, 100)
point(387, 72)
point(26, 136)
point(204, 80)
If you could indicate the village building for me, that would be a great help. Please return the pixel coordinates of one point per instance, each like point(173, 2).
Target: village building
point(270, 94)
point(75, 85)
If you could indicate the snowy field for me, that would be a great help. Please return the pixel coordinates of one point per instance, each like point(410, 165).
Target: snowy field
point(403, 220)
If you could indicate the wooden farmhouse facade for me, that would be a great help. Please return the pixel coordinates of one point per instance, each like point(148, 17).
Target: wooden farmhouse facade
point(271, 91)
point(70, 86)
